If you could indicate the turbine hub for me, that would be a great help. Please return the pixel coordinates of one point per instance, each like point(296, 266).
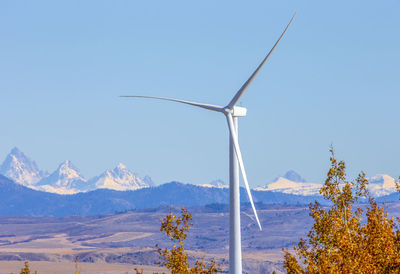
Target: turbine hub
point(239, 111)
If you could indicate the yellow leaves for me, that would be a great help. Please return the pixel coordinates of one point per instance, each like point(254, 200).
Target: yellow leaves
point(176, 227)
point(338, 242)
point(175, 259)
point(291, 264)
point(26, 269)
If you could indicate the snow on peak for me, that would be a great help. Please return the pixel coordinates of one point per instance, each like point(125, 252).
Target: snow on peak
point(381, 184)
point(68, 170)
point(121, 166)
point(292, 183)
point(216, 183)
point(119, 178)
point(21, 169)
point(58, 190)
point(65, 179)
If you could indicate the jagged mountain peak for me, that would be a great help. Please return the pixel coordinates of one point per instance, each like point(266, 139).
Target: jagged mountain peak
point(67, 164)
point(216, 183)
point(69, 170)
point(292, 183)
point(16, 151)
point(119, 178)
point(66, 179)
point(16, 156)
point(120, 171)
point(294, 176)
point(120, 166)
point(21, 169)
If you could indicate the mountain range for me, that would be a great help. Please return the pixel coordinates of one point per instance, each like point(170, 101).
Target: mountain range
point(19, 200)
point(67, 179)
point(292, 183)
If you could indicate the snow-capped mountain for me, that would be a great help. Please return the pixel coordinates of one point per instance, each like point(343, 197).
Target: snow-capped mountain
point(292, 183)
point(381, 184)
point(216, 183)
point(119, 178)
point(67, 179)
point(21, 169)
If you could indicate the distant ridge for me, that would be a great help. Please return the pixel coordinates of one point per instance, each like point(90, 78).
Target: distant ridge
point(19, 200)
point(119, 178)
point(216, 183)
point(67, 179)
point(292, 183)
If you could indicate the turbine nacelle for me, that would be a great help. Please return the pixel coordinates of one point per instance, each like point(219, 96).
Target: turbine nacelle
point(239, 111)
point(235, 111)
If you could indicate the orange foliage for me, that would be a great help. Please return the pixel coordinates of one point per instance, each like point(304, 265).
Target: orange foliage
point(338, 241)
point(26, 269)
point(175, 259)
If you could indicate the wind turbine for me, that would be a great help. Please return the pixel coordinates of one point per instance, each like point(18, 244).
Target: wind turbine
point(232, 113)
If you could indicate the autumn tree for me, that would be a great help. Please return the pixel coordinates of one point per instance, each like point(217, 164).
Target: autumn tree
point(176, 259)
point(345, 238)
point(26, 269)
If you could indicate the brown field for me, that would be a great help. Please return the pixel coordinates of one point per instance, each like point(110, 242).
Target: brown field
point(118, 243)
point(68, 267)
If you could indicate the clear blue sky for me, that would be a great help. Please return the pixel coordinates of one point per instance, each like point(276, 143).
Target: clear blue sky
point(335, 78)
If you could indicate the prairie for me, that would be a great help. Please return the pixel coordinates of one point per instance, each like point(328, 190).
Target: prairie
point(119, 242)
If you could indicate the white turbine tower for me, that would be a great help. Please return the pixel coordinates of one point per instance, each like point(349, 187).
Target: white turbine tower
point(232, 112)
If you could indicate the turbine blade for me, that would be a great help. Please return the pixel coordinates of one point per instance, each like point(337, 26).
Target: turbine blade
point(241, 165)
point(246, 85)
point(206, 106)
